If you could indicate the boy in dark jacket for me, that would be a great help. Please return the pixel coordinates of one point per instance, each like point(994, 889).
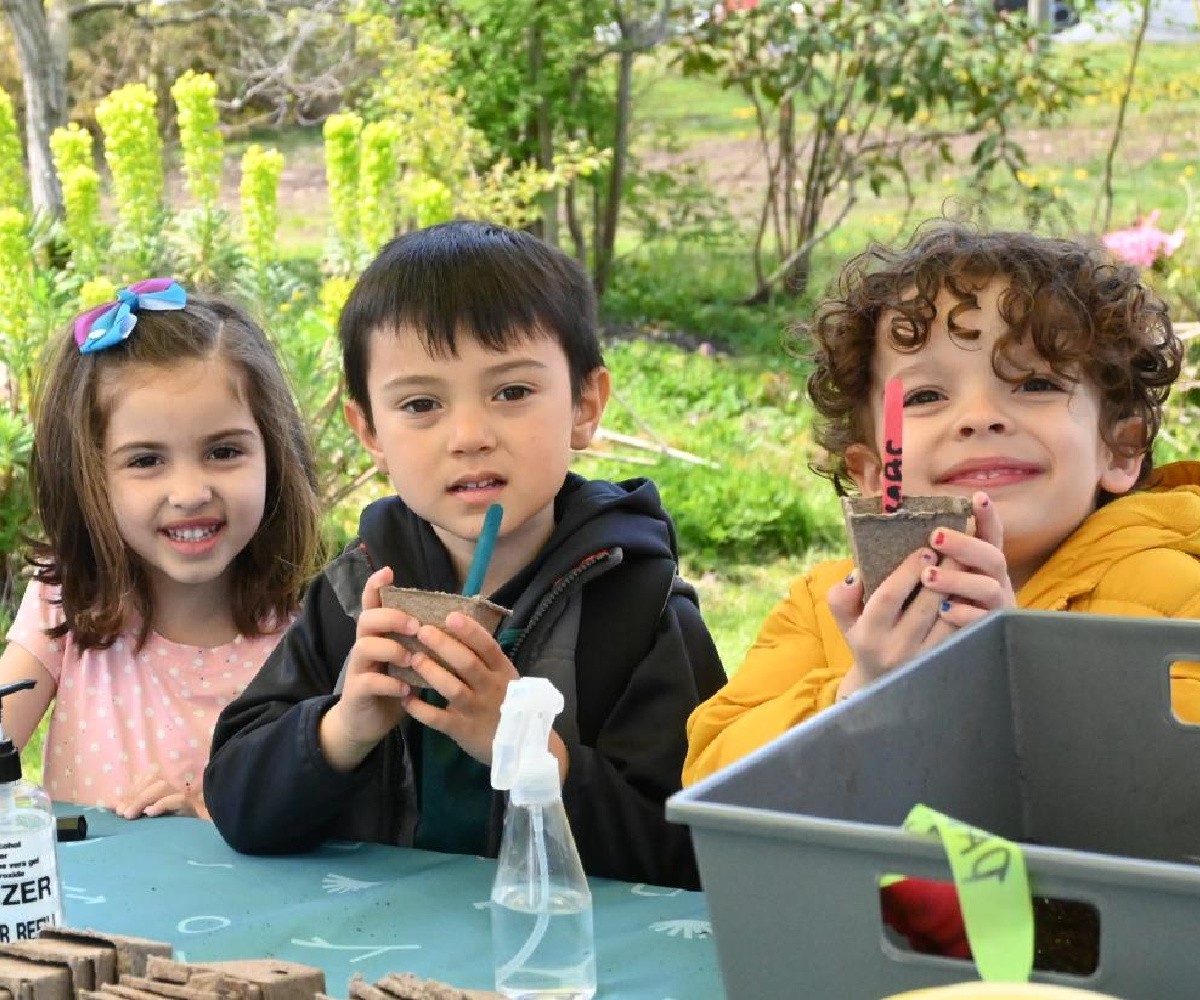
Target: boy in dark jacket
point(473, 369)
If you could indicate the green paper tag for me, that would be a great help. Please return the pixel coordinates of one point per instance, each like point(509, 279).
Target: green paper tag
point(993, 891)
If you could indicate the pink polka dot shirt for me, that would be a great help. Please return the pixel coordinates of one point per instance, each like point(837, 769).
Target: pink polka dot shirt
point(117, 714)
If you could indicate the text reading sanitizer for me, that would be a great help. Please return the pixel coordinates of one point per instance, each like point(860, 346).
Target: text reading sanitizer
point(30, 894)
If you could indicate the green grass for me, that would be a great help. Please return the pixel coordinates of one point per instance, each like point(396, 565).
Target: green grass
point(691, 108)
point(737, 598)
point(31, 756)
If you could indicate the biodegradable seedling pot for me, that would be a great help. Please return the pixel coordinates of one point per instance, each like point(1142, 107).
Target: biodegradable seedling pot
point(430, 607)
point(881, 542)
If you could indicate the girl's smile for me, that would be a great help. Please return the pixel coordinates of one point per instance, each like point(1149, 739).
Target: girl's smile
point(186, 473)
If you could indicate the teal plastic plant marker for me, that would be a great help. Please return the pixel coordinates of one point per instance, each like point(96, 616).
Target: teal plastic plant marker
point(993, 892)
point(483, 550)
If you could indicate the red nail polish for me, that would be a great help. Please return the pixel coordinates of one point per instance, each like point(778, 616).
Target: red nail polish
point(939, 537)
point(985, 502)
point(931, 575)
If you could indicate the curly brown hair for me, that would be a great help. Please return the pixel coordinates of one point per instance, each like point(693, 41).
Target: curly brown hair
point(104, 587)
point(1086, 313)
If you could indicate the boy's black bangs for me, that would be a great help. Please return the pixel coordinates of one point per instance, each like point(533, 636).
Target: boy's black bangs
point(496, 309)
point(474, 279)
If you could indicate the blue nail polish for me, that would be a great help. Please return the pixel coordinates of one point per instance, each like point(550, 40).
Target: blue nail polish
point(945, 606)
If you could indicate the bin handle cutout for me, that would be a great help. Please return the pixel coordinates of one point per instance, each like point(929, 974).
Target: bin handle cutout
point(1184, 679)
point(993, 891)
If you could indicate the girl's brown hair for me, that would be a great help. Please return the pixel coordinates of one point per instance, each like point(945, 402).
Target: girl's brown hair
point(1086, 313)
point(104, 587)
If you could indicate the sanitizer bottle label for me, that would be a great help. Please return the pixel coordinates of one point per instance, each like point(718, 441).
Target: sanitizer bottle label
point(28, 882)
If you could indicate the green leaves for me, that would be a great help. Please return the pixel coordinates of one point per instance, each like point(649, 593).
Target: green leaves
point(133, 151)
point(75, 165)
point(870, 90)
point(195, 97)
point(13, 189)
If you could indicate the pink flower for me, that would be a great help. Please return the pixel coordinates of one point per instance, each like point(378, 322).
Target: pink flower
point(1144, 243)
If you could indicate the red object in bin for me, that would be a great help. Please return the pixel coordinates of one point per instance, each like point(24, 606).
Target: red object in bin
point(927, 914)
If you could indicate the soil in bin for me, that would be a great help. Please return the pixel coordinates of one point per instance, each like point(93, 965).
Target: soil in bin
point(1066, 936)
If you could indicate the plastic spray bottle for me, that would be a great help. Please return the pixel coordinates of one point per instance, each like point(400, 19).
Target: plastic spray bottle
point(30, 893)
point(542, 936)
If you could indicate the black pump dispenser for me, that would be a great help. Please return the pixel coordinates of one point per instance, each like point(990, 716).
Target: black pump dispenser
point(10, 756)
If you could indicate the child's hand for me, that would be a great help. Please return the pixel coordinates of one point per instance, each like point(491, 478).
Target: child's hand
point(883, 634)
point(372, 700)
point(973, 578)
point(153, 795)
point(473, 691)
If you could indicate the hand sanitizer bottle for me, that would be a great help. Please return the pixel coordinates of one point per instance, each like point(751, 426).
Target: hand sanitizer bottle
point(30, 893)
point(542, 937)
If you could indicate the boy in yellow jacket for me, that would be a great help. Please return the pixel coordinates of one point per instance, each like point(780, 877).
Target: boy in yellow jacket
point(1034, 373)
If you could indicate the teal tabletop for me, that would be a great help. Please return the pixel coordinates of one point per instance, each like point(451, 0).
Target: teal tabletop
point(358, 909)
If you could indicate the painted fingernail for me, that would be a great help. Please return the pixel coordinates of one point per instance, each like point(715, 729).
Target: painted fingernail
point(929, 557)
point(850, 578)
point(945, 606)
point(931, 575)
point(939, 537)
point(985, 502)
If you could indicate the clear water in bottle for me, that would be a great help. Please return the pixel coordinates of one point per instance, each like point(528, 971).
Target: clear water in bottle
point(562, 965)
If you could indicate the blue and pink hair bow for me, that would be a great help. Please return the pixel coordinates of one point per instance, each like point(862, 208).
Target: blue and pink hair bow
point(112, 322)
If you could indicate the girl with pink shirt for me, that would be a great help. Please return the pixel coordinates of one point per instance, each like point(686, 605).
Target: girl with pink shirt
point(175, 489)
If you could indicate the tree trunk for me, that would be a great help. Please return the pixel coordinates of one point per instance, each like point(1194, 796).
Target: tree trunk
point(42, 36)
point(543, 131)
point(612, 209)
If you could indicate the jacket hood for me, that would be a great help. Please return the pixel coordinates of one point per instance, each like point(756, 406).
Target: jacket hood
point(1164, 514)
point(590, 516)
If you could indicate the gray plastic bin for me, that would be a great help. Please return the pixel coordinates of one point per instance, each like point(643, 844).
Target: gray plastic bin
point(1050, 729)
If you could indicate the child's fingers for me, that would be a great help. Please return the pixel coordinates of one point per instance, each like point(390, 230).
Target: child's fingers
point(385, 621)
point(475, 637)
point(427, 714)
point(467, 649)
point(174, 801)
point(375, 684)
point(370, 595)
point(845, 601)
point(980, 589)
point(374, 653)
point(957, 614)
point(144, 793)
point(942, 629)
point(445, 682)
point(893, 622)
point(196, 805)
point(885, 607)
point(915, 623)
point(970, 552)
point(988, 526)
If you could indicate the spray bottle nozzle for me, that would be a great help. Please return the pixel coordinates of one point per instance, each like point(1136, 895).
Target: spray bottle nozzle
point(521, 759)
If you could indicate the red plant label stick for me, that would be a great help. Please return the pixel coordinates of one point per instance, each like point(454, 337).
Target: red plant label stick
point(893, 446)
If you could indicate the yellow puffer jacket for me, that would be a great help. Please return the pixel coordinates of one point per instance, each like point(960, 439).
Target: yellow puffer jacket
point(1137, 556)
